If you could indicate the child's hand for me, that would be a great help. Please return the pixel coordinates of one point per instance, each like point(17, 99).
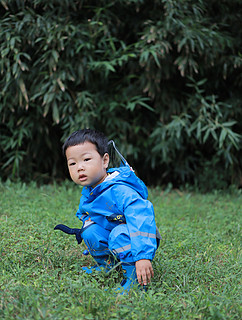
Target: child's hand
point(144, 271)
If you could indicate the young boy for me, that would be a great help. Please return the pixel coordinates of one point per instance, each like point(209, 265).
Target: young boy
point(118, 220)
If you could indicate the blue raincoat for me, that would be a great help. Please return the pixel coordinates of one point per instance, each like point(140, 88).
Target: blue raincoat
point(122, 199)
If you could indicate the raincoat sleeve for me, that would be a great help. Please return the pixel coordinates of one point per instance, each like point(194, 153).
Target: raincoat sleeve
point(140, 219)
point(81, 214)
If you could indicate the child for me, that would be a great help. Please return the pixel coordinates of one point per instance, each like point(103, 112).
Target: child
point(118, 220)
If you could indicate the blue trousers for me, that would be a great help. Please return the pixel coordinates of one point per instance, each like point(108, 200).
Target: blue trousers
point(102, 242)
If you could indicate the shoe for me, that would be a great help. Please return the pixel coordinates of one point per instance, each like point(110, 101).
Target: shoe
point(130, 278)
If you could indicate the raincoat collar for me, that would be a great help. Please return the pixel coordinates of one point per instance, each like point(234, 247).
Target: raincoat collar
point(125, 177)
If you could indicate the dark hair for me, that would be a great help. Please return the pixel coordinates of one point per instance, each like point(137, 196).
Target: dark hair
point(90, 135)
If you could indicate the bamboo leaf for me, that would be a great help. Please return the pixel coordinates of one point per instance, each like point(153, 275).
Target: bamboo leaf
point(222, 137)
point(24, 92)
point(55, 112)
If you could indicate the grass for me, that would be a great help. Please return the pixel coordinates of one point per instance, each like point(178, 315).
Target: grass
point(197, 267)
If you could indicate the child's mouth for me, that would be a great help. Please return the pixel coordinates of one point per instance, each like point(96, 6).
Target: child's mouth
point(82, 177)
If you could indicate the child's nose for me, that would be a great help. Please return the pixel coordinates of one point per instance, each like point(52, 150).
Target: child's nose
point(80, 166)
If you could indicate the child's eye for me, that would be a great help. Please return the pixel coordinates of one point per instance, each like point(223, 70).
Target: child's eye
point(72, 164)
point(87, 159)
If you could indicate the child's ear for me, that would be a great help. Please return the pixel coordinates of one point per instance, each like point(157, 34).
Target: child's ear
point(106, 160)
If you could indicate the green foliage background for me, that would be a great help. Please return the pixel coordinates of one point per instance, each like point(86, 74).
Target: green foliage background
point(161, 78)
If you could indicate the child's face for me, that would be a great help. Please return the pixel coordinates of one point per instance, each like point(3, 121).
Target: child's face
point(86, 166)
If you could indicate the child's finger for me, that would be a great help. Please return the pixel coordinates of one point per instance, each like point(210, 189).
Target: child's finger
point(146, 277)
point(152, 272)
point(140, 278)
point(149, 275)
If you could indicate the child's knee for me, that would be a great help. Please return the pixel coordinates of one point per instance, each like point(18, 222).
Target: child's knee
point(120, 244)
point(96, 239)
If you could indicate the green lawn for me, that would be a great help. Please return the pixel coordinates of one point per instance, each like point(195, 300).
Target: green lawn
point(197, 267)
